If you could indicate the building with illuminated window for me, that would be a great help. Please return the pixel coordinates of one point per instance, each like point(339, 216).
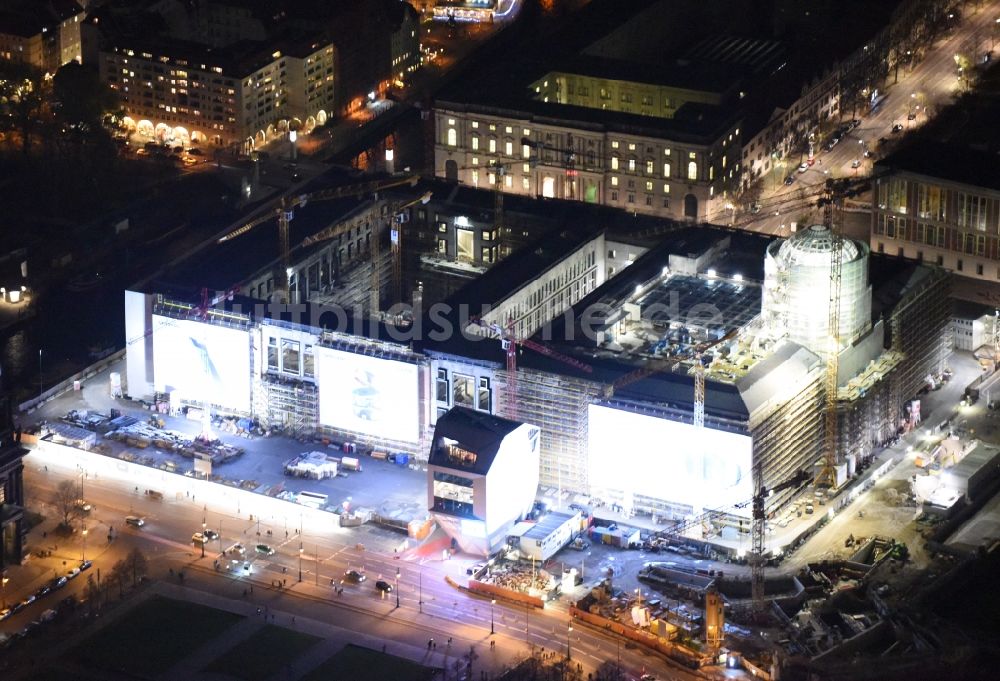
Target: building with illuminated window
point(190, 94)
point(482, 477)
point(11, 487)
point(45, 34)
point(466, 10)
point(939, 204)
point(244, 73)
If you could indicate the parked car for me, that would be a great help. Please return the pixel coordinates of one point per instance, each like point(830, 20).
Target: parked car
point(789, 180)
point(265, 549)
point(5, 613)
point(856, 163)
point(383, 586)
point(355, 576)
point(803, 167)
point(85, 565)
point(897, 127)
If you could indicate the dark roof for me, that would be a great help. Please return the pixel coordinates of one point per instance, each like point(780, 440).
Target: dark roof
point(892, 279)
point(953, 162)
point(476, 431)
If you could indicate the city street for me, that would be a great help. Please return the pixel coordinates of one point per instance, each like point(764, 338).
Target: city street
point(921, 90)
point(428, 606)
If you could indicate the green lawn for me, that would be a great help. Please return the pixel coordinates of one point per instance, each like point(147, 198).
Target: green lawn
point(354, 662)
point(265, 653)
point(152, 637)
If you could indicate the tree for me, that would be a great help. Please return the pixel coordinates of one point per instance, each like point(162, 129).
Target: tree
point(65, 501)
point(120, 574)
point(22, 100)
point(93, 595)
point(137, 564)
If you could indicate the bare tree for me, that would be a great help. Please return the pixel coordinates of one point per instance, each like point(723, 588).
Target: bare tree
point(92, 593)
point(120, 574)
point(137, 564)
point(65, 501)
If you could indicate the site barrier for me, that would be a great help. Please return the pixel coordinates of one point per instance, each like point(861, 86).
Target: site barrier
point(688, 657)
point(67, 385)
point(502, 593)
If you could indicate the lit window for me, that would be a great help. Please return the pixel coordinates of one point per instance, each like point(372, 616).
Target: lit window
point(631, 165)
point(692, 155)
point(666, 170)
point(614, 181)
point(631, 147)
point(451, 121)
point(508, 148)
point(525, 132)
point(475, 142)
point(526, 168)
point(614, 144)
point(525, 151)
point(649, 186)
point(508, 130)
point(614, 163)
point(525, 183)
point(475, 177)
point(475, 125)
point(649, 167)
point(692, 170)
point(452, 137)
point(493, 146)
point(666, 188)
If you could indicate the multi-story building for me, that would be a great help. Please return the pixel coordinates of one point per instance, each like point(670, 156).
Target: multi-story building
point(11, 487)
point(939, 204)
point(45, 35)
point(192, 94)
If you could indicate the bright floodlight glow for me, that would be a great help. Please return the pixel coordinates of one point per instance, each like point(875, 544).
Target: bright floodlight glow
point(711, 273)
point(368, 395)
point(389, 154)
point(202, 362)
point(292, 136)
point(737, 277)
point(636, 454)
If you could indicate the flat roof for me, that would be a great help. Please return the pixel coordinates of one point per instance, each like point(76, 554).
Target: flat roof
point(946, 161)
point(548, 523)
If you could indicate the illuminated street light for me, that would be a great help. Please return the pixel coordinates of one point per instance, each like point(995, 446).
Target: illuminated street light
point(204, 539)
point(397, 587)
point(3, 588)
point(83, 551)
point(569, 630)
point(492, 621)
point(300, 561)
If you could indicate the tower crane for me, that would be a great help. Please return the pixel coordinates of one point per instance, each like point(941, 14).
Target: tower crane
point(758, 518)
point(509, 342)
point(834, 192)
point(285, 212)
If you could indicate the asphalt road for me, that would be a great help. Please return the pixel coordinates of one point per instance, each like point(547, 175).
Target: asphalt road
point(428, 606)
point(926, 88)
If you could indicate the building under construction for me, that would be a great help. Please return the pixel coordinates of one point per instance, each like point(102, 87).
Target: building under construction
point(671, 370)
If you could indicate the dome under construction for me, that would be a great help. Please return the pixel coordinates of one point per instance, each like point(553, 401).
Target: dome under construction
point(796, 296)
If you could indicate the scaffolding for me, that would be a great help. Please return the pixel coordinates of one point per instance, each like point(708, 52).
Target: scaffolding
point(558, 405)
point(290, 403)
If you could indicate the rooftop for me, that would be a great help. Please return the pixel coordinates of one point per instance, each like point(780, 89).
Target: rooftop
point(475, 431)
point(946, 161)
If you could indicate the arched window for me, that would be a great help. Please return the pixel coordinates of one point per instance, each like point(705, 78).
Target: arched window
point(452, 137)
point(692, 170)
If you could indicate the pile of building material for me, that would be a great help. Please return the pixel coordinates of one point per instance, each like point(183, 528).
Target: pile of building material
point(312, 465)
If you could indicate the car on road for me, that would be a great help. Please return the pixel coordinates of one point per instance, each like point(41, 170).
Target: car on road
point(790, 180)
point(803, 167)
point(856, 163)
point(28, 601)
point(355, 576)
point(265, 549)
point(211, 535)
point(83, 505)
point(237, 549)
point(134, 521)
point(59, 582)
point(85, 565)
point(897, 127)
point(73, 572)
point(199, 538)
point(383, 586)
point(5, 613)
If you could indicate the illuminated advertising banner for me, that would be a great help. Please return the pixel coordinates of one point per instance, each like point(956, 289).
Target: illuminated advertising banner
point(643, 455)
point(368, 395)
point(202, 362)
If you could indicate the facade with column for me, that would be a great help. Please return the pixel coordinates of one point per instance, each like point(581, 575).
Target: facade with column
point(11, 488)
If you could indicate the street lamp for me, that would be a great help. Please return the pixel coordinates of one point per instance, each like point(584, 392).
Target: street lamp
point(492, 621)
point(3, 588)
point(300, 561)
point(83, 552)
point(569, 630)
point(204, 539)
point(397, 587)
